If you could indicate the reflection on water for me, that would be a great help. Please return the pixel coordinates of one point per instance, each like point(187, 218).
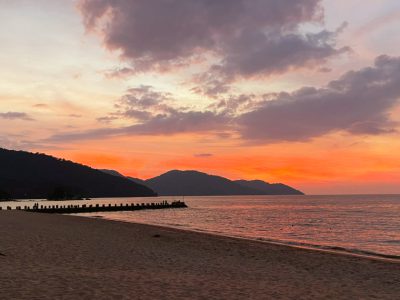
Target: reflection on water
point(367, 223)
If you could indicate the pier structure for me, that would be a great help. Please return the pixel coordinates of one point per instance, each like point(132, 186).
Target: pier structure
point(89, 208)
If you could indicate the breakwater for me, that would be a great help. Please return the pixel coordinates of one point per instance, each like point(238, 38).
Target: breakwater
point(89, 208)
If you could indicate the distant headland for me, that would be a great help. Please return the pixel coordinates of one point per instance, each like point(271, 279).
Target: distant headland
point(194, 183)
point(25, 175)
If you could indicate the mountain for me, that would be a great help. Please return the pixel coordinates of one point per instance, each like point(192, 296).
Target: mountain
point(269, 188)
point(118, 174)
point(112, 172)
point(137, 180)
point(28, 175)
point(193, 183)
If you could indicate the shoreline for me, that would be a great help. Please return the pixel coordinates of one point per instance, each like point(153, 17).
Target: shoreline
point(69, 257)
point(312, 247)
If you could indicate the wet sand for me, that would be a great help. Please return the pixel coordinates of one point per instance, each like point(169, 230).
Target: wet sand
point(67, 257)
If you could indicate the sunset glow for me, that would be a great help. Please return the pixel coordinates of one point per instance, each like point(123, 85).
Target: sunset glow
point(118, 85)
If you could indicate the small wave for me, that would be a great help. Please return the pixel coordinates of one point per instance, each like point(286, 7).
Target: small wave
point(392, 242)
point(172, 224)
point(338, 249)
point(305, 225)
point(334, 248)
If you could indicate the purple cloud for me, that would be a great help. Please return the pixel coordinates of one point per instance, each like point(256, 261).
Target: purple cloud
point(142, 103)
point(161, 124)
point(247, 37)
point(359, 102)
point(11, 115)
point(143, 97)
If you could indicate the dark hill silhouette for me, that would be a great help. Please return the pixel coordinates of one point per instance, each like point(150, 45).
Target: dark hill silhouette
point(112, 172)
point(118, 174)
point(269, 188)
point(194, 183)
point(137, 180)
point(28, 175)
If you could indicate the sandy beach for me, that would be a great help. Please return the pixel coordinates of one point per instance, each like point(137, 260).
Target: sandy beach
point(68, 257)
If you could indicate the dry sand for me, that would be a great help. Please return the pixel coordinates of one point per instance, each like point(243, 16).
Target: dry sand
point(69, 257)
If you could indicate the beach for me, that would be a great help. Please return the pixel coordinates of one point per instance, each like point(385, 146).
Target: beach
point(45, 256)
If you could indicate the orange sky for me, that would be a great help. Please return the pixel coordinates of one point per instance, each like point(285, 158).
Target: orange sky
point(328, 165)
point(69, 88)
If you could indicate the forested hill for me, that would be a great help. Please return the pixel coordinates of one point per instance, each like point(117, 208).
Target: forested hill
point(194, 183)
point(269, 188)
point(35, 175)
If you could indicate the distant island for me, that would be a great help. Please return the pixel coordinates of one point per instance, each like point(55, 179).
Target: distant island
point(194, 183)
point(25, 175)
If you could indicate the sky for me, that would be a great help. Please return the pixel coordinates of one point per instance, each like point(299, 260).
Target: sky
point(304, 92)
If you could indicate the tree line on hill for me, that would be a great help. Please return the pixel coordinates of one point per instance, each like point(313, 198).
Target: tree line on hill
point(25, 175)
point(194, 183)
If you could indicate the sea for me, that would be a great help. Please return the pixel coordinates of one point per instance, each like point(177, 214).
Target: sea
point(359, 224)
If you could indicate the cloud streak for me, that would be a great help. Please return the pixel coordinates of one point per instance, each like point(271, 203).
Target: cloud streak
point(245, 37)
point(11, 115)
point(359, 102)
point(175, 123)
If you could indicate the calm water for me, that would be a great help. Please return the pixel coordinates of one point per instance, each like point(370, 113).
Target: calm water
point(354, 223)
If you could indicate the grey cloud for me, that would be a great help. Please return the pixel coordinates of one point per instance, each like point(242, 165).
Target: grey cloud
point(248, 37)
point(258, 52)
point(141, 103)
point(143, 97)
point(154, 114)
point(15, 116)
point(359, 102)
point(161, 124)
point(180, 122)
point(325, 70)
point(213, 82)
point(234, 105)
point(107, 119)
point(159, 30)
point(137, 114)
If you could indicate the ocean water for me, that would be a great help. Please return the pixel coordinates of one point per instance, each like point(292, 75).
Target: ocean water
point(364, 224)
